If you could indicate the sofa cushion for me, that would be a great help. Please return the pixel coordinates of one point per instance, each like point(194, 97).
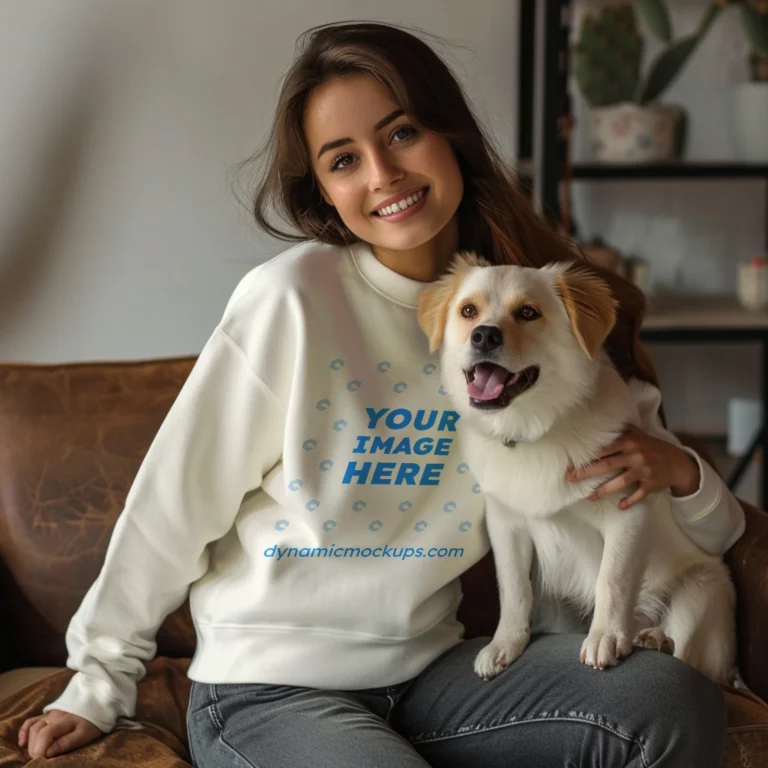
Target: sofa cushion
point(162, 706)
point(73, 438)
point(16, 679)
point(161, 709)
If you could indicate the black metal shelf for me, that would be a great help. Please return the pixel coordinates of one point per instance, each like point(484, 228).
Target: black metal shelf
point(670, 170)
point(545, 106)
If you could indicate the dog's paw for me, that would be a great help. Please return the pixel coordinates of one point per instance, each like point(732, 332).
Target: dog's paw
point(499, 654)
point(602, 649)
point(655, 639)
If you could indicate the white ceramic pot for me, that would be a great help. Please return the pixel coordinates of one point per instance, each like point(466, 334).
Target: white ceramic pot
point(629, 133)
point(750, 121)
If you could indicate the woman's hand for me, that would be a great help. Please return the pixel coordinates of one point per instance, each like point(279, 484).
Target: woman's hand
point(652, 463)
point(56, 732)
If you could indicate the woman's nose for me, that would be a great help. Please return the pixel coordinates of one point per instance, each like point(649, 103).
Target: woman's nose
point(383, 171)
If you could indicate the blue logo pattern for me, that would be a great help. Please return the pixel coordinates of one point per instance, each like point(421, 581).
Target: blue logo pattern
point(281, 525)
point(339, 425)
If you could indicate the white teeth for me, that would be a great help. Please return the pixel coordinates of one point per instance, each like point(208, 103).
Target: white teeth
point(401, 205)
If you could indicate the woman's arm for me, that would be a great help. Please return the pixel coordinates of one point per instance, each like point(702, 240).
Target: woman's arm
point(710, 515)
point(654, 458)
point(220, 437)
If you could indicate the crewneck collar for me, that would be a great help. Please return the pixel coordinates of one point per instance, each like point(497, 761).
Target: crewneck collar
point(390, 284)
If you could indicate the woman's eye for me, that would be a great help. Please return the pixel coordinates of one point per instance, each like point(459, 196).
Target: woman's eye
point(405, 132)
point(400, 134)
point(338, 162)
point(468, 310)
point(527, 313)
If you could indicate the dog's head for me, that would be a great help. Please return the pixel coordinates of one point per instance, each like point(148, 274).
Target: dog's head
point(519, 346)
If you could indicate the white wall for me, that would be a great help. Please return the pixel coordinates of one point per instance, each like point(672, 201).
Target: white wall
point(120, 236)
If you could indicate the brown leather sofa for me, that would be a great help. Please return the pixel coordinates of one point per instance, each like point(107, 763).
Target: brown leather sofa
point(71, 440)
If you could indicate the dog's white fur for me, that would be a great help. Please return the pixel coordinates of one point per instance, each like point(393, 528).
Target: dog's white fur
point(638, 577)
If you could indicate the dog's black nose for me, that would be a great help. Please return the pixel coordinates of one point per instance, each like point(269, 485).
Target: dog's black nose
point(486, 338)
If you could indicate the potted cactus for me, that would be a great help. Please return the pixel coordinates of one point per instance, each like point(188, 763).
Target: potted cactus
point(750, 112)
point(626, 121)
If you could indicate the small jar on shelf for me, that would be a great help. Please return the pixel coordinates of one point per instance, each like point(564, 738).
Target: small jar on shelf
point(753, 283)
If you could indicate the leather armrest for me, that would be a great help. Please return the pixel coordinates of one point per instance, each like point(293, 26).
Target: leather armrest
point(748, 561)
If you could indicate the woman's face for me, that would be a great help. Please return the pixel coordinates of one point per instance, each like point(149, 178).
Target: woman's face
point(367, 154)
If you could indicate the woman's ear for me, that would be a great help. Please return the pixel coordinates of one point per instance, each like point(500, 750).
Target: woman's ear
point(590, 305)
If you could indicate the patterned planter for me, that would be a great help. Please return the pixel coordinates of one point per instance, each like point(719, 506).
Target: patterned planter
point(629, 133)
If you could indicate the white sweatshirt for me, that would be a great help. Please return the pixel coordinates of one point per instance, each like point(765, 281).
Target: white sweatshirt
point(307, 490)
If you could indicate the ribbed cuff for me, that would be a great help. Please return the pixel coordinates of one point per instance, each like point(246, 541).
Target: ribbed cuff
point(705, 498)
point(80, 698)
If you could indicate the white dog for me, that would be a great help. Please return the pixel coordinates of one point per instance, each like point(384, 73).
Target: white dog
point(523, 361)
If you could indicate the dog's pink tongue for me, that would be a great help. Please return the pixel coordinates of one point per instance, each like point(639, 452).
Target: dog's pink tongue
point(488, 383)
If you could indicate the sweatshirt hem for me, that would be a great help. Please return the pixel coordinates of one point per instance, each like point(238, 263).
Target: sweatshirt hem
point(315, 659)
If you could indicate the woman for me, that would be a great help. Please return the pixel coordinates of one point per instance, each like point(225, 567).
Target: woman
point(307, 489)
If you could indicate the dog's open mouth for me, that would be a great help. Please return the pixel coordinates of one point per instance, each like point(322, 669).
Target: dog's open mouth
point(491, 386)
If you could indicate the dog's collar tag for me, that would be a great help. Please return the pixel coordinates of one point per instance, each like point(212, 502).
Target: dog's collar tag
point(509, 443)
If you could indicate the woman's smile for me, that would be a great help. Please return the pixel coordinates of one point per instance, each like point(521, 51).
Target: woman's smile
point(404, 206)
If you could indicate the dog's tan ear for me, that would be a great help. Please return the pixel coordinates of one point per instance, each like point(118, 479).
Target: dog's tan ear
point(433, 309)
point(435, 300)
point(590, 305)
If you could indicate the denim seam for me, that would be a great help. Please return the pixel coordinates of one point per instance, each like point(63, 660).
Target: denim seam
point(481, 729)
point(192, 756)
point(390, 708)
point(219, 724)
point(193, 759)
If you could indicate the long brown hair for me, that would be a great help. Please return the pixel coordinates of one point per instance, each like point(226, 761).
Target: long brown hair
point(495, 218)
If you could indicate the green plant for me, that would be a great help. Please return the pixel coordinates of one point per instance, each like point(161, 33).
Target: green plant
point(608, 55)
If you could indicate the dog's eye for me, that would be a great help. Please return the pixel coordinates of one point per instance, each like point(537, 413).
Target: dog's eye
point(527, 313)
point(468, 310)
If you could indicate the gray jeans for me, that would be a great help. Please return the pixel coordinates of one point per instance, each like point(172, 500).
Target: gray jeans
point(546, 709)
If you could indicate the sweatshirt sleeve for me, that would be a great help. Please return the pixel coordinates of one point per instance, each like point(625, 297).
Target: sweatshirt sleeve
point(711, 516)
point(222, 434)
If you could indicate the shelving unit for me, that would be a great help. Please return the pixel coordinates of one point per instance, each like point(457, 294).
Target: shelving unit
point(681, 170)
point(545, 106)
